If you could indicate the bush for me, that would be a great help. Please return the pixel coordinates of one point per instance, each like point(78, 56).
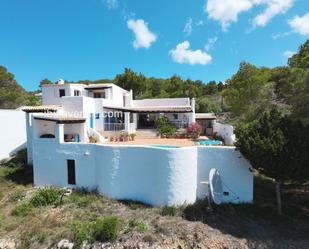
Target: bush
point(21, 156)
point(83, 197)
point(22, 210)
point(141, 227)
point(17, 196)
point(46, 196)
point(164, 127)
point(169, 211)
point(194, 130)
point(81, 232)
point(106, 229)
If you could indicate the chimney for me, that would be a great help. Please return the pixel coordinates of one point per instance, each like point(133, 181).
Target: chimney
point(193, 104)
point(60, 82)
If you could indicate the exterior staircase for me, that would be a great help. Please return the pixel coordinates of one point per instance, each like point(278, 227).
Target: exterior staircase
point(146, 134)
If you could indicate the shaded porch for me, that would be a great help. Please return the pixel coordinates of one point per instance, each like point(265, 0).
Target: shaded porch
point(132, 119)
point(206, 121)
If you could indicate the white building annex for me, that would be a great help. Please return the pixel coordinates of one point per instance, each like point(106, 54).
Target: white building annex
point(12, 132)
point(58, 147)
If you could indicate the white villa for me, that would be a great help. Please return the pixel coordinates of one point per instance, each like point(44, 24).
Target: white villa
point(58, 147)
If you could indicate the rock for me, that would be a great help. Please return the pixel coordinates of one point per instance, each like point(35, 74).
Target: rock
point(65, 244)
point(7, 244)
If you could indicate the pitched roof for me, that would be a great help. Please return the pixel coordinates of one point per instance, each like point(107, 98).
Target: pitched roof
point(98, 86)
point(41, 108)
point(61, 119)
point(152, 109)
point(205, 116)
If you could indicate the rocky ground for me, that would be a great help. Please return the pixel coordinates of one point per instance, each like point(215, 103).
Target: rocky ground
point(141, 226)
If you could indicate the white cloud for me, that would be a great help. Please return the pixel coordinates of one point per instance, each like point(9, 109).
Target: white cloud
point(227, 11)
point(199, 23)
point(280, 35)
point(111, 4)
point(210, 43)
point(273, 8)
point(188, 27)
point(143, 36)
point(182, 54)
point(288, 54)
point(300, 24)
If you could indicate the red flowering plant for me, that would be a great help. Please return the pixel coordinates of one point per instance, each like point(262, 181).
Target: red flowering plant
point(194, 130)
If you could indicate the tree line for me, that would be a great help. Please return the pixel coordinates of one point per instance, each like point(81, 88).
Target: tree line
point(13, 95)
point(270, 108)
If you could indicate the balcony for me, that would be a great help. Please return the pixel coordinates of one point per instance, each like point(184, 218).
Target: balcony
point(179, 124)
point(114, 126)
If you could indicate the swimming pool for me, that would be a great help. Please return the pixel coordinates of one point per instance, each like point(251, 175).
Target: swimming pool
point(165, 146)
point(209, 142)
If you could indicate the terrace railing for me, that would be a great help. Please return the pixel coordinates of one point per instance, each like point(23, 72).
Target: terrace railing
point(114, 126)
point(180, 124)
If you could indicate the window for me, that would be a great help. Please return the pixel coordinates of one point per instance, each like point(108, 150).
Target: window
point(99, 95)
point(71, 172)
point(131, 118)
point(175, 116)
point(61, 93)
point(124, 101)
point(97, 116)
point(76, 93)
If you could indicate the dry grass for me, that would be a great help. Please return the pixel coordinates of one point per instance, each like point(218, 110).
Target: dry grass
point(193, 226)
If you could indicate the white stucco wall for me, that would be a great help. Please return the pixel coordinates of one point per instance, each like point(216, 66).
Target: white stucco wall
point(12, 132)
point(50, 93)
point(156, 176)
point(233, 168)
point(162, 102)
point(226, 131)
point(182, 117)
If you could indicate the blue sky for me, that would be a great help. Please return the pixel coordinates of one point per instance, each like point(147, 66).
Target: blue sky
point(201, 39)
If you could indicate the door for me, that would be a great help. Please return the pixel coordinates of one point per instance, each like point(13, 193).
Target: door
point(71, 172)
point(146, 121)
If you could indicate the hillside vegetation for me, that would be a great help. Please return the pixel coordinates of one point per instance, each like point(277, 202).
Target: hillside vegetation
point(34, 218)
point(12, 95)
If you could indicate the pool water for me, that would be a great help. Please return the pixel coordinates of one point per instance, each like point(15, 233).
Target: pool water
point(209, 142)
point(165, 146)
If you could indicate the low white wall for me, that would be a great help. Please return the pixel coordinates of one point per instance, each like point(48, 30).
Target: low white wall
point(234, 169)
point(225, 131)
point(151, 175)
point(162, 102)
point(12, 132)
point(156, 176)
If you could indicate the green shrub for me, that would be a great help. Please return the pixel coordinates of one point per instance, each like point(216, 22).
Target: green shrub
point(21, 156)
point(169, 211)
point(17, 196)
point(164, 126)
point(46, 196)
point(83, 197)
point(22, 210)
point(141, 227)
point(80, 232)
point(106, 229)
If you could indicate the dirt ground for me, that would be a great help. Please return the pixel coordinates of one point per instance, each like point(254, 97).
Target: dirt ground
point(188, 226)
